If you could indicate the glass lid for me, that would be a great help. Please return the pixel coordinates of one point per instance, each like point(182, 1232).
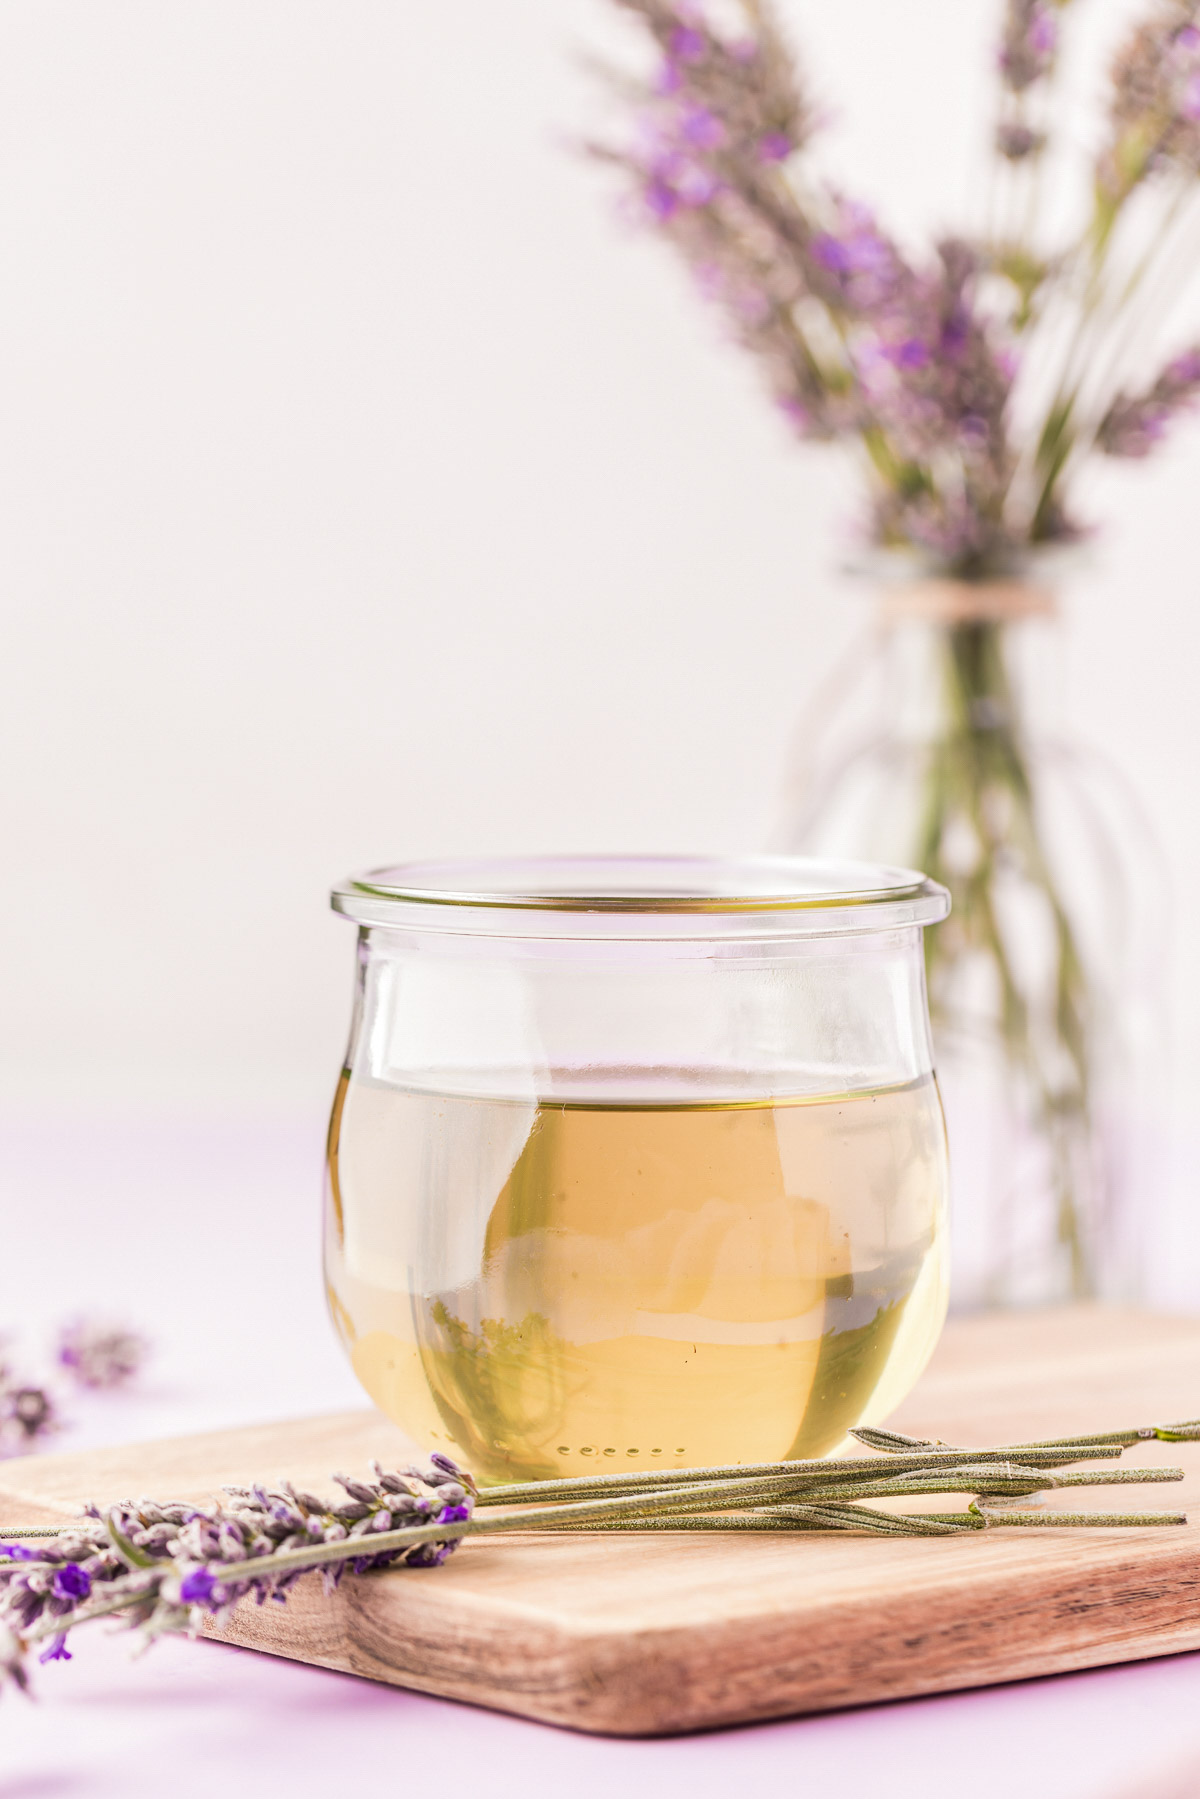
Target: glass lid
point(814, 893)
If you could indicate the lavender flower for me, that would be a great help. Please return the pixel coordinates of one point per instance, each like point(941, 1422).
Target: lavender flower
point(100, 1355)
point(1136, 423)
point(164, 1566)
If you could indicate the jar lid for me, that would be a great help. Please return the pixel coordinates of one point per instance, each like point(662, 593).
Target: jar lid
point(605, 895)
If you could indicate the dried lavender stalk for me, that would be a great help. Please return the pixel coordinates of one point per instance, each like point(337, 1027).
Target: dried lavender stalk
point(165, 1566)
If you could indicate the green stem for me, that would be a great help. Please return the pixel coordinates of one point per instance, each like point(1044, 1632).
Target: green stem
point(979, 778)
point(915, 1459)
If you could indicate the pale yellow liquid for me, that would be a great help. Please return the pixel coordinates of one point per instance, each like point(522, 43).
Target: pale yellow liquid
point(553, 1289)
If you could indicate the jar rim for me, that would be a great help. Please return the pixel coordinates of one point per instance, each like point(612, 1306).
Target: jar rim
point(643, 885)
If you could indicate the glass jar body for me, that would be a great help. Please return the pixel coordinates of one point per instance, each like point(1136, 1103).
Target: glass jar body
point(636, 1201)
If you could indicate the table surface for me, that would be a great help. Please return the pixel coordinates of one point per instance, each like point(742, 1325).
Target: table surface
point(197, 1718)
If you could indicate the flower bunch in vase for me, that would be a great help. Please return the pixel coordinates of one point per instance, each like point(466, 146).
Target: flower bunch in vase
point(973, 380)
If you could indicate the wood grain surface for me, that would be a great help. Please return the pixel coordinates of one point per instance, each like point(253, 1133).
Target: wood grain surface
point(634, 1635)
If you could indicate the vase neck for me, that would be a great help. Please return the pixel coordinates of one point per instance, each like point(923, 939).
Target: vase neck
point(951, 645)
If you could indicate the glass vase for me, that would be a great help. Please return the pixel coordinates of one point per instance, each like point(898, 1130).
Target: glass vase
point(941, 742)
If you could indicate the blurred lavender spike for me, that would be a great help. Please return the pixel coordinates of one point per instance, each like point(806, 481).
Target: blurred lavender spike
point(1155, 106)
point(1028, 43)
point(1135, 424)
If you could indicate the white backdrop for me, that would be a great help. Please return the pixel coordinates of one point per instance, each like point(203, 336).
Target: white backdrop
point(366, 491)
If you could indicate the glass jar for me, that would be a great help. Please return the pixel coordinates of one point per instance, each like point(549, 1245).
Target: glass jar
point(637, 1162)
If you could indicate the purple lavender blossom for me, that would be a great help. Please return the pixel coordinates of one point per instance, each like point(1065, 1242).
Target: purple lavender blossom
point(701, 129)
point(775, 146)
point(686, 44)
point(856, 266)
point(56, 1650)
point(71, 1582)
point(198, 1587)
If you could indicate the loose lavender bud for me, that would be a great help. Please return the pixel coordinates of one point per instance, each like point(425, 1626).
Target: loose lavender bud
point(27, 1414)
point(101, 1356)
point(1016, 142)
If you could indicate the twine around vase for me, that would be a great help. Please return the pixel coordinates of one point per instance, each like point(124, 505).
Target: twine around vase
point(941, 600)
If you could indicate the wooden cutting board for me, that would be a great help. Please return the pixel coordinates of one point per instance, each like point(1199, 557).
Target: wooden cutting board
point(634, 1635)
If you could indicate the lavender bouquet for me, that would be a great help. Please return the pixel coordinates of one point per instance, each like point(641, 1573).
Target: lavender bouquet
point(973, 381)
